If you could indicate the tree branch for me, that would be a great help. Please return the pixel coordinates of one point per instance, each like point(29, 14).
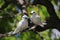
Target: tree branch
point(53, 21)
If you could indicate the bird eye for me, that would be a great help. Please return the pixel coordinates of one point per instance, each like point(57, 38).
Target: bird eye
point(33, 12)
point(26, 18)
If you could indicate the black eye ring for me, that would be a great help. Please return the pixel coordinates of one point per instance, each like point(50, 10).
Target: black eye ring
point(33, 12)
point(26, 18)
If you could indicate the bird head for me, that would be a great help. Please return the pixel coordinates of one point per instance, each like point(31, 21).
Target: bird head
point(33, 12)
point(25, 17)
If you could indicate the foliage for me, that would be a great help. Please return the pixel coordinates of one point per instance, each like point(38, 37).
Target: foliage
point(9, 23)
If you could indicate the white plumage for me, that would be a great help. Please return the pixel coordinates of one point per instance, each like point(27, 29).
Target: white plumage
point(36, 19)
point(23, 24)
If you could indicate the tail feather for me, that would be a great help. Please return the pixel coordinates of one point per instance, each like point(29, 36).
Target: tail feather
point(42, 25)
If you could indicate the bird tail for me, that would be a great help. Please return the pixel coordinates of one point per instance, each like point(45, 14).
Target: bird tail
point(42, 25)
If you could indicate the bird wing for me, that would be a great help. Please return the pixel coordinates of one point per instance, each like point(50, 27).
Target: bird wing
point(25, 25)
point(19, 26)
point(35, 19)
point(38, 19)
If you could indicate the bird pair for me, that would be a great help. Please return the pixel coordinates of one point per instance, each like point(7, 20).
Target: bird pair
point(23, 24)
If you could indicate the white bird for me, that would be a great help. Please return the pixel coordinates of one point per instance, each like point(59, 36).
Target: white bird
point(36, 19)
point(23, 24)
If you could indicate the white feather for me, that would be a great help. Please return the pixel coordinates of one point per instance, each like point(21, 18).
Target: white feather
point(23, 24)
